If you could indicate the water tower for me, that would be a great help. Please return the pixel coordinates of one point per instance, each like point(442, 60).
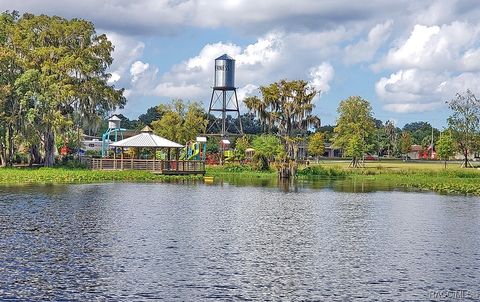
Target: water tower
point(224, 99)
point(112, 134)
point(114, 122)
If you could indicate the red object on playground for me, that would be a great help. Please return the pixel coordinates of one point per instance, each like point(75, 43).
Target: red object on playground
point(64, 150)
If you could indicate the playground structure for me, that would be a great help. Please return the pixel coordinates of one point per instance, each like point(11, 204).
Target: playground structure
point(196, 150)
point(113, 132)
point(140, 152)
point(226, 153)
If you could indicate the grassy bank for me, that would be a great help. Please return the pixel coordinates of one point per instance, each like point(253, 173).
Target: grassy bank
point(63, 175)
point(240, 171)
point(420, 175)
point(427, 176)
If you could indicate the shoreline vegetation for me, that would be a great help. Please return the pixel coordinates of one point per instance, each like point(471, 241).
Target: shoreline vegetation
point(61, 175)
point(423, 176)
point(430, 176)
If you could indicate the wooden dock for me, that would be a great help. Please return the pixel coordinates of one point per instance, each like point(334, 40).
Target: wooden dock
point(168, 167)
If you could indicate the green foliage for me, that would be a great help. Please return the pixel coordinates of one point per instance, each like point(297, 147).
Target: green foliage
point(234, 170)
point(405, 142)
point(321, 171)
point(180, 122)
point(355, 128)
point(54, 76)
point(148, 117)
point(93, 153)
point(237, 168)
point(355, 147)
point(405, 176)
point(286, 105)
point(213, 145)
point(327, 131)
point(465, 122)
point(316, 144)
point(421, 133)
point(260, 162)
point(386, 138)
point(126, 123)
point(269, 146)
point(241, 144)
point(73, 174)
point(445, 145)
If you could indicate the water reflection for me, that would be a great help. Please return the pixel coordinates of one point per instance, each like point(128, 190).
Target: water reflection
point(298, 184)
point(281, 241)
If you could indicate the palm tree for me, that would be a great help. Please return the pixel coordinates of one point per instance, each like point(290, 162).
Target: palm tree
point(287, 105)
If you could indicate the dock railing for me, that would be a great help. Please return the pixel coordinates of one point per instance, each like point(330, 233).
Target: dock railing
point(153, 165)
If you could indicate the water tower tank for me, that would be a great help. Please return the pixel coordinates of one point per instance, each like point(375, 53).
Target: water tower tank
point(224, 72)
point(114, 122)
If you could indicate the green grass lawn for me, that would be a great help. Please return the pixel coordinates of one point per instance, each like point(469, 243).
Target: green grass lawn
point(399, 165)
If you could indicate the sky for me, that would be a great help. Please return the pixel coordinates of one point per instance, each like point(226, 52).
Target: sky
point(408, 58)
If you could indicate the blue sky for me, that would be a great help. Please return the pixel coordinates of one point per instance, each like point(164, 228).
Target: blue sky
point(406, 57)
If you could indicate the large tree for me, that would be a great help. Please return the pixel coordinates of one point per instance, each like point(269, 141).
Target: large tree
point(421, 132)
point(63, 78)
point(465, 123)
point(11, 111)
point(151, 115)
point(287, 106)
point(355, 130)
point(180, 122)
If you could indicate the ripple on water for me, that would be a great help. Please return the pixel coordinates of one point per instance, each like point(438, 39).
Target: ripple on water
point(194, 242)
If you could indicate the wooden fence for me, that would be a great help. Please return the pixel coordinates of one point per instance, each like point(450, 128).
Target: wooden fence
point(156, 166)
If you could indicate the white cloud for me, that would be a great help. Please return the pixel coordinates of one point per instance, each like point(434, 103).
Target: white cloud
point(364, 50)
point(114, 77)
point(432, 64)
point(246, 91)
point(321, 76)
point(271, 58)
point(179, 90)
point(165, 17)
point(266, 49)
point(194, 76)
point(439, 12)
point(470, 60)
point(126, 51)
point(432, 55)
point(415, 90)
point(137, 69)
point(433, 47)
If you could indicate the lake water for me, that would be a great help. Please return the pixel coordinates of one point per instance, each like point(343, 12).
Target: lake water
point(310, 241)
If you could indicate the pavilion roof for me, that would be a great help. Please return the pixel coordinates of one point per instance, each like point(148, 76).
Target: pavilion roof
point(146, 140)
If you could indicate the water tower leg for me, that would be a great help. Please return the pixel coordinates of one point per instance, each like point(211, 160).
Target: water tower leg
point(238, 113)
point(224, 112)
